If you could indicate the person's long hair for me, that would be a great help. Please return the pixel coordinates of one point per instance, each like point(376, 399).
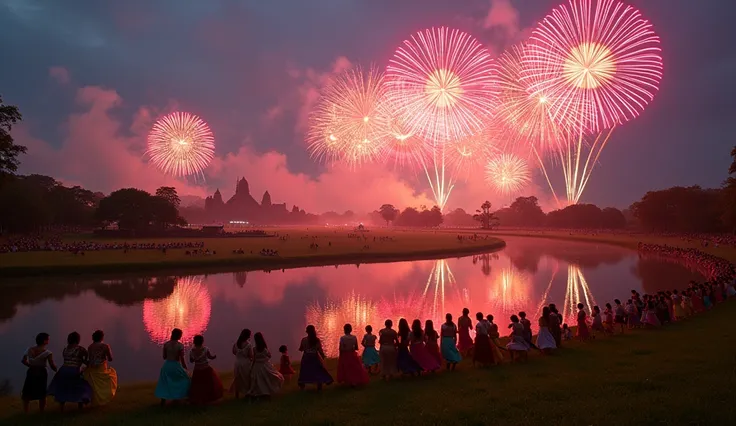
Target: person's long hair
point(429, 329)
point(312, 338)
point(416, 329)
point(545, 313)
point(404, 328)
point(260, 342)
point(244, 336)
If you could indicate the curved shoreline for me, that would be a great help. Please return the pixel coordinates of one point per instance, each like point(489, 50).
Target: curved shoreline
point(231, 264)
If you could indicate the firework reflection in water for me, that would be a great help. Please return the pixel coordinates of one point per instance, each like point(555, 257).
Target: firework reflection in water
point(330, 317)
point(187, 308)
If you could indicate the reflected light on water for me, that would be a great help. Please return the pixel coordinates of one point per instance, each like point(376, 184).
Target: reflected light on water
point(187, 308)
point(577, 291)
point(330, 317)
point(509, 293)
point(433, 297)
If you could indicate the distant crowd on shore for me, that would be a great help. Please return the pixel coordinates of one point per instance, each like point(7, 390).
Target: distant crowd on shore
point(28, 244)
point(411, 350)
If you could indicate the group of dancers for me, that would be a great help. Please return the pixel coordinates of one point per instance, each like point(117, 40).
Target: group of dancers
point(85, 376)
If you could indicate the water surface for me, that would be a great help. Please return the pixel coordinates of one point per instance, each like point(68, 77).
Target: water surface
point(137, 314)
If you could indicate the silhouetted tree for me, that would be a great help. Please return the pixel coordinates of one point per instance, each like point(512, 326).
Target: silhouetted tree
point(524, 211)
point(169, 194)
point(9, 151)
point(484, 215)
point(680, 209)
point(388, 213)
point(459, 217)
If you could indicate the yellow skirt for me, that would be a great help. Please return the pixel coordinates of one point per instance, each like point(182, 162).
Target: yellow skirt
point(497, 354)
point(104, 382)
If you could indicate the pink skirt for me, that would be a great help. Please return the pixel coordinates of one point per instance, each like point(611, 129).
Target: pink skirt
point(350, 369)
point(465, 342)
point(583, 331)
point(423, 357)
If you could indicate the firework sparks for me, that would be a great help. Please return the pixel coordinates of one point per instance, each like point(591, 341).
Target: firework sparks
point(181, 144)
point(330, 318)
point(187, 308)
point(509, 293)
point(443, 82)
point(347, 124)
point(601, 61)
point(576, 291)
point(507, 173)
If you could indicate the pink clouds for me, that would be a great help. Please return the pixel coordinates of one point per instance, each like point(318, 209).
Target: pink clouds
point(60, 74)
point(503, 20)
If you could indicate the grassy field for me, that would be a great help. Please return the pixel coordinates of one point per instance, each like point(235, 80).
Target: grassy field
point(681, 374)
point(334, 247)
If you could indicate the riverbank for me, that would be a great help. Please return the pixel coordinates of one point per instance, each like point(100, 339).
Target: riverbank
point(680, 374)
point(334, 246)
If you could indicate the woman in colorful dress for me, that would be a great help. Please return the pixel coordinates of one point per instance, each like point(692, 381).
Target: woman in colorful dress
point(597, 324)
point(264, 379)
point(545, 340)
point(99, 374)
point(495, 337)
point(632, 315)
point(243, 351)
point(483, 351)
point(517, 345)
point(312, 369)
point(68, 385)
point(679, 312)
point(371, 358)
point(173, 381)
point(608, 319)
point(36, 358)
point(651, 315)
point(431, 337)
point(464, 325)
point(350, 369)
point(206, 384)
point(426, 360)
point(582, 333)
point(448, 343)
point(619, 316)
point(388, 340)
point(406, 363)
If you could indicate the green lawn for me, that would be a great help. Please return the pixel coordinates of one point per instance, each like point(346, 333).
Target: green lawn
point(681, 374)
point(334, 247)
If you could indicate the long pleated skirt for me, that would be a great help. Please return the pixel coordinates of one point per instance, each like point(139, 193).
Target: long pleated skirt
point(449, 350)
point(68, 385)
point(173, 381)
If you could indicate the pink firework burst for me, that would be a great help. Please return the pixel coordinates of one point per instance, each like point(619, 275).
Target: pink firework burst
point(181, 144)
point(601, 55)
point(442, 82)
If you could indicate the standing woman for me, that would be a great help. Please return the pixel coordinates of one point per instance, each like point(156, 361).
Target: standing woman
point(407, 363)
point(68, 384)
point(36, 358)
point(431, 336)
point(312, 369)
point(464, 325)
point(388, 339)
point(426, 359)
point(173, 381)
point(264, 379)
point(495, 342)
point(448, 344)
point(545, 341)
point(206, 384)
point(102, 377)
point(582, 333)
point(350, 370)
point(555, 324)
point(517, 345)
point(243, 352)
point(483, 353)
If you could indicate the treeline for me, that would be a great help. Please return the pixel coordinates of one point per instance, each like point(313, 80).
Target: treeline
point(37, 203)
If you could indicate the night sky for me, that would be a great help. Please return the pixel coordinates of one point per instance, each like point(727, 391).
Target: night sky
point(90, 77)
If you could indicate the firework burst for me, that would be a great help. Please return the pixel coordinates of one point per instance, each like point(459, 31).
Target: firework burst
point(347, 124)
point(187, 308)
point(442, 81)
point(181, 144)
point(507, 173)
point(600, 61)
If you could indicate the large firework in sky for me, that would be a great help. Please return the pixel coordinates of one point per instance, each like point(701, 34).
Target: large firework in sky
point(347, 124)
point(181, 144)
point(599, 61)
point(507, 173)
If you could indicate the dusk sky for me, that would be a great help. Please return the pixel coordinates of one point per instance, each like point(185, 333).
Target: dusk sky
point(90, 77)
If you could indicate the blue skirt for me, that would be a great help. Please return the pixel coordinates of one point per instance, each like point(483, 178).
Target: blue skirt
point(449, 350)
point(173, 382)
point(370, 357)
point(69, 386)
point(406, 362)
point(312, 370)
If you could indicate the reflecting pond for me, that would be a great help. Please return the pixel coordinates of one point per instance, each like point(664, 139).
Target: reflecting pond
point(138, 313)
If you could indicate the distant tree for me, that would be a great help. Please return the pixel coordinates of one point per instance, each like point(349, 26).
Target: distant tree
point(680, 209)
point(130, 208)
point(388, 213)
point(9, 151)
point(431, 218)
point(409, 217)
point(612, 218)
point(728, 197)
point(24, 206)
point(485, 216)
point(169, 194)
point(460, 218)
point(525, 211)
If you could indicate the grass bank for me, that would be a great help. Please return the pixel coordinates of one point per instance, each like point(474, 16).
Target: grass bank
point(681, 374)
point(336, 246)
